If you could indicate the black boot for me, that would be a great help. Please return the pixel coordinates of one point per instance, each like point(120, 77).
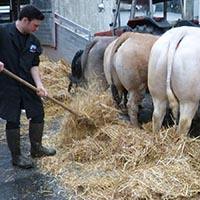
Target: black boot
point(13, 140)
point(35, 134)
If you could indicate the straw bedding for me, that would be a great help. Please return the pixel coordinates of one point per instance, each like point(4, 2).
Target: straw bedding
point(54, 77)
point(113, 160)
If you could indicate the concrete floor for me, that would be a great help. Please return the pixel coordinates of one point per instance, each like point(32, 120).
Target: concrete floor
point(25, 184)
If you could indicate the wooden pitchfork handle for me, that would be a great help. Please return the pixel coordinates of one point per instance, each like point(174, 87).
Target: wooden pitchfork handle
point(37, 90)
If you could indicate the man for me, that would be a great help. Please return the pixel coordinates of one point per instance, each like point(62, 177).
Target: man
point(19, 53)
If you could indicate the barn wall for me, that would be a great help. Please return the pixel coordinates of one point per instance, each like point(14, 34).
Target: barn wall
point(85, 13)
point(69, 25)
point(69, 38)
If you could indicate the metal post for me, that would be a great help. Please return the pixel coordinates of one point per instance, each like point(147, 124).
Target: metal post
point(11, 10)
point(199, 10)
point(14, 9)
point(165, 9)
point(150, 13)
point(116, 16)
point(182, 9)
point(18, 8)
point(188, 6)
point(132, 13)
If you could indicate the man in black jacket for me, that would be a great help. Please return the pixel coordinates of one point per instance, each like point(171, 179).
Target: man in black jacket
point(19, 53)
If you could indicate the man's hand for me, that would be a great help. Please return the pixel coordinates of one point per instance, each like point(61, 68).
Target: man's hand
point(42, 92)
point(1, 66)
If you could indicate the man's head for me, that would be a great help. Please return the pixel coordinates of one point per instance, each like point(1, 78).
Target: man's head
point(29, 19)
point(31, 12)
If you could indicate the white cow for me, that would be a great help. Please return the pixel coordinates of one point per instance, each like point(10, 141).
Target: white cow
point(174, 76)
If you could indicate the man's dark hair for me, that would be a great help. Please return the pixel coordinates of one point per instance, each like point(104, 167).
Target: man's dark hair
point(31, 12)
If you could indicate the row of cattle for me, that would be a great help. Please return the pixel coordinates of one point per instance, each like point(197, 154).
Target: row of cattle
point(167, 66)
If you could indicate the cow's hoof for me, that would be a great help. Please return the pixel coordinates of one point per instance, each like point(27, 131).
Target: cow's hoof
point(124, 116)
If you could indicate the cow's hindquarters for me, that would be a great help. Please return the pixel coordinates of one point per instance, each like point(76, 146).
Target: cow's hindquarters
point(185, 81)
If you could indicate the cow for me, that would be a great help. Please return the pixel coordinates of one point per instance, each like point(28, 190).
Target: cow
point(125, 67)
point(173, 76)
point(87, 65)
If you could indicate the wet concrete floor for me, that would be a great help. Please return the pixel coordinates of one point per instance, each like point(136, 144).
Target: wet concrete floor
point(25, 184)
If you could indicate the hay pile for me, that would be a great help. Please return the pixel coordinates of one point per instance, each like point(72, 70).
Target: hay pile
point(55, 78)
point(115, 161)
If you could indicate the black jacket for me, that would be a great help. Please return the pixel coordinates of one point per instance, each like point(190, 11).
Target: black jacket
point(19, 61)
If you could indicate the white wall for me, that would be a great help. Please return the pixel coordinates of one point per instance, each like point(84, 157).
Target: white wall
point(85, 13)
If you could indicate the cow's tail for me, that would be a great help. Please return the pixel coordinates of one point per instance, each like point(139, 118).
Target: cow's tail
point(115, 48)
point(114, 76)
point(75, 66)
point(86, 52)
point(173, 45)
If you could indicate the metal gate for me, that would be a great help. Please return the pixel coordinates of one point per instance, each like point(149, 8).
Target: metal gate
point(60, 37)
point(46, 32)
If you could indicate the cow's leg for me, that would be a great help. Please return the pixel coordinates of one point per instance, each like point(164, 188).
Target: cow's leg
point(125, 100)
point(132, 105)
point(116, 95)
point(174, 107)
point(159, 112)
point(187, 113)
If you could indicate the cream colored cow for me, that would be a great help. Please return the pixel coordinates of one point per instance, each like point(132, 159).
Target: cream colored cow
point(125, 66)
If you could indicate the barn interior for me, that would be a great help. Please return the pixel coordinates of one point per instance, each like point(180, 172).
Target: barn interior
point(109, 161)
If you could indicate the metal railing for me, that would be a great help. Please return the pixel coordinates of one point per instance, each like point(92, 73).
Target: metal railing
point(67, 24)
